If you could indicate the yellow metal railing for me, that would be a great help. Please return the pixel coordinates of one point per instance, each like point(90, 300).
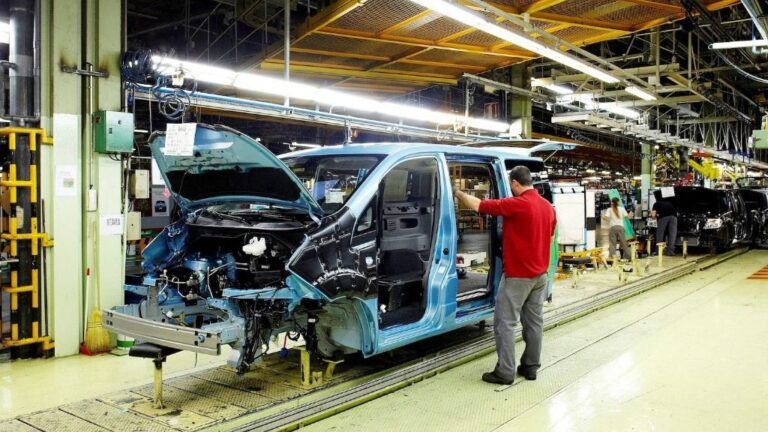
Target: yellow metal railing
point(37, 239)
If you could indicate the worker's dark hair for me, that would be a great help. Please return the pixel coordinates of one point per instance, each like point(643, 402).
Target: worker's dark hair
point(522, 175)
point(615, 201)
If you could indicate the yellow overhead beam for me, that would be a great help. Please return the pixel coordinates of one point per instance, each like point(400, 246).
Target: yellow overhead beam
point(326, 17)
point(558, 18)
point(385, 59)
point(428, 13)
point(673, 8)
point(393, 75)
point(339, 54)
point(425, 43)
point(541, 5)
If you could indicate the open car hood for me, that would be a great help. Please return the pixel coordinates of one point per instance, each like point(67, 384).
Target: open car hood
point(228, 166)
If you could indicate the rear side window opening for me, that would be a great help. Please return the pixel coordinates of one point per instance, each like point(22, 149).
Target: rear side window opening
point(331, 180)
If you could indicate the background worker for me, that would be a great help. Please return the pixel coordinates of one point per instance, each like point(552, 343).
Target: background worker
point(528, 230)
point(615, 215)
point(666, 224)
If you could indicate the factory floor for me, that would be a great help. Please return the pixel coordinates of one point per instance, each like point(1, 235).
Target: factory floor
point(689, 355)
point(574, 352)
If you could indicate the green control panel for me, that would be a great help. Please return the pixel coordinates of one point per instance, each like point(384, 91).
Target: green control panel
point(113, 132)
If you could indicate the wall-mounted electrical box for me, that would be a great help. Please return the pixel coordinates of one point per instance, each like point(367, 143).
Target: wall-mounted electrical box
point(113, 132)
point(133, 226)
point(139, 184)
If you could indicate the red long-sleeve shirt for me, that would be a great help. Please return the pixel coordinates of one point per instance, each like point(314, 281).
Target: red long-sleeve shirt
point(529, 224)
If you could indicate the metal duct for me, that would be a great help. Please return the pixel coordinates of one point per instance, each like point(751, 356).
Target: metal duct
point(757, 12)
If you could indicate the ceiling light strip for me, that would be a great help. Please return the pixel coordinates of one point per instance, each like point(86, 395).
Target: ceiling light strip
point(472, 19)
point(324, 96)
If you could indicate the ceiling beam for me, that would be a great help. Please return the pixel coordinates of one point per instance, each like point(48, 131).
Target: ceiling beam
point(386, 59)
point(393, 75)
point(427, 16)
point(673, 8)
point(558, 18)
point(540, 5)
point(425, 43)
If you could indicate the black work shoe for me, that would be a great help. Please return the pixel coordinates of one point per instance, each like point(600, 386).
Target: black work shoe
point(491, 377)
point(527, 373)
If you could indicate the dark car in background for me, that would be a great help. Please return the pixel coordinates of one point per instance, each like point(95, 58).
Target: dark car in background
point(756, 202)
point(710, 218)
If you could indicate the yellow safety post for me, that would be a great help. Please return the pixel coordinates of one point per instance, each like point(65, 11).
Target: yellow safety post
point(37, 239)
point(661, 247)
point(635, 261)
point(685, 249)
point(306, 368)
point(157, 393)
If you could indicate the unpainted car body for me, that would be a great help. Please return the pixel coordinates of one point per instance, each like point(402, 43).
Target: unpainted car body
point(353, 248)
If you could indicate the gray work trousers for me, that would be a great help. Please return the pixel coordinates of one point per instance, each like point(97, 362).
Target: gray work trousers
point(616, 234)
point(521, 300)
point(667, 225)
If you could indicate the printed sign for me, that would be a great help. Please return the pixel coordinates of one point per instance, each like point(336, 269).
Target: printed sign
point(179, 139)
point(667, 192)
point(66, 180)
point(112, 224)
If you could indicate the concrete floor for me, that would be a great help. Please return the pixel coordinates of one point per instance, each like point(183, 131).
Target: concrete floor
point(573, 352)
point(691, 355)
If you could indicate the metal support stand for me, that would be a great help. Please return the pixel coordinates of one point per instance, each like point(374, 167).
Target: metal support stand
point(313, 378)
point(157, 354)
point(157, 392)
point(685, 249)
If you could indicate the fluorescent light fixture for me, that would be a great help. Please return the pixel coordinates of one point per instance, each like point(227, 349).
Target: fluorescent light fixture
point(467, 17)
point(198, 71)
point(302, 145)
point(739, 44)
point(5, 32)
point(642, 94)
point(613, 108)
point(300, 91)
point(554, 88)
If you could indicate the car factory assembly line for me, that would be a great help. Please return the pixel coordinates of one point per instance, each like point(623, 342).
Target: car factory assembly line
point(383, 215)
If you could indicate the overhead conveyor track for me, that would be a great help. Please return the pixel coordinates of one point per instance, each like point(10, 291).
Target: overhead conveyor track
point(272, 398)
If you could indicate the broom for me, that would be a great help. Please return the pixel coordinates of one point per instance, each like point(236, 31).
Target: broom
point(97, 338)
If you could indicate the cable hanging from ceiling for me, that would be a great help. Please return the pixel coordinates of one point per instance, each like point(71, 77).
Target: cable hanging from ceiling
point(138, 68)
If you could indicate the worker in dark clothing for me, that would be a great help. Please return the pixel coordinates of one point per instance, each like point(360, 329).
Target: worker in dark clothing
point(666, 224)
point(528, 230)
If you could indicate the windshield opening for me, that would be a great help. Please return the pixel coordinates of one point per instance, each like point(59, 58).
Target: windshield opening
point(331, 180)
point(699, 201)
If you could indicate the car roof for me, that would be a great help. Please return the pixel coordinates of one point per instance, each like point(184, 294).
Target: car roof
point(405, 149)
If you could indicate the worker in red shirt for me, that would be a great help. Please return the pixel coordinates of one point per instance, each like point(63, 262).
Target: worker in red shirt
point(528, 230)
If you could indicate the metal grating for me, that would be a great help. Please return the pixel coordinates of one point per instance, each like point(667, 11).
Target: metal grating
point(591, 9)
point(113, 418)
point(578, 34)
point(433, 30)
point(56, 420)
point(15, 425)
point(457, 57)
point(194, 402)
point(223, 393)
point(635, 14)
point(446, 71)
point(349, 45)
point(344, 62)
point(478, 38)
point(378, 15)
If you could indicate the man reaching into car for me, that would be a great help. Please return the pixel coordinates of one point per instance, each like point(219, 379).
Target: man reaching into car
point(528, 230)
